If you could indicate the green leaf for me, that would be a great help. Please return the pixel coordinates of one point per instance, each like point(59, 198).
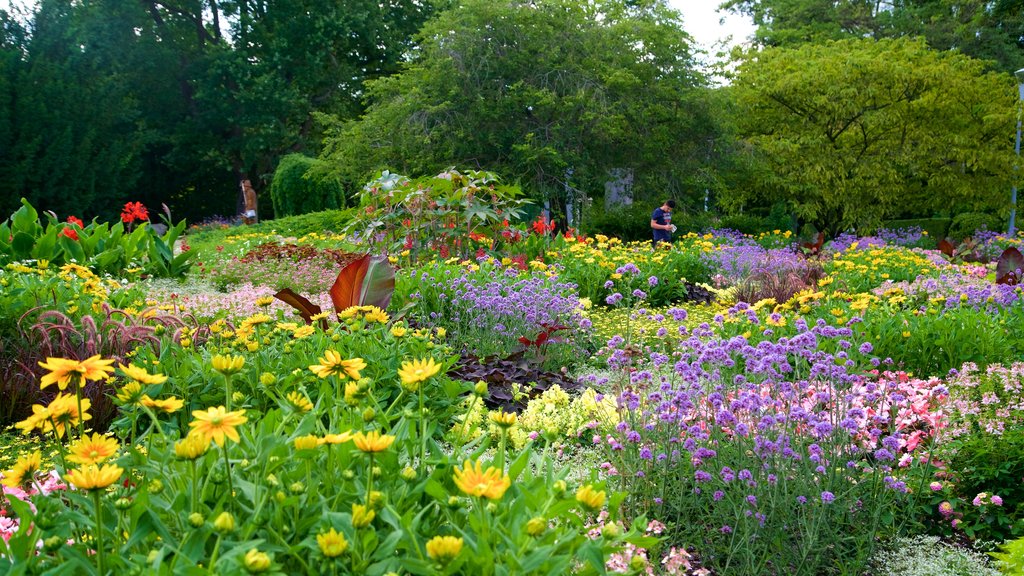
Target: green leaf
point(21, 245)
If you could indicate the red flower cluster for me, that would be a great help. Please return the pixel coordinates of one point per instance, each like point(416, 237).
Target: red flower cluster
point(541, 227)
point(76, 221)
point(134, 211)
point(69, 232)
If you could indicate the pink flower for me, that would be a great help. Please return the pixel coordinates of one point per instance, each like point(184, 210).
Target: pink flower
point(996, 500)
point(979, 500)
point(945, 509)
point(935, 486)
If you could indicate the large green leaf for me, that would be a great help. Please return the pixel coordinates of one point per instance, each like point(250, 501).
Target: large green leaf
point(378, 284)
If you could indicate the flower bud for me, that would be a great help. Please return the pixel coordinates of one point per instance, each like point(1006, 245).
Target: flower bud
point(348, 474)
point(224, 523)
point(196, 519)
point(280, 497)
point(376, 500)
point(638, 563)
point(376, 472)
point(268, 379)
point(611, 530)
point(480, 389)
point(155, 486)
point(536, 526)
point(297, 488)
point(52, 543)
point(256, 561)
point(409, 473)
point(123, 503)
point(369, 414)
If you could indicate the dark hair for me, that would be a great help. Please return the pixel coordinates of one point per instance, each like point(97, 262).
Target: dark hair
point(670, 203)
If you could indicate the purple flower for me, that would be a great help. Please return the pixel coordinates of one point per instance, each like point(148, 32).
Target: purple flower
point(801, 499)
point(652, 281)
point(827, 497)
point(866, 348)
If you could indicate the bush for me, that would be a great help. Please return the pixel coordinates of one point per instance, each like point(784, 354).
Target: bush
point(295, 190)
point(966, 224)
point(937, 228)
point(631, 223)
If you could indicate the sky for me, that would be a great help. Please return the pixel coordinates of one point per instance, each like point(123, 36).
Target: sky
point(701, 20)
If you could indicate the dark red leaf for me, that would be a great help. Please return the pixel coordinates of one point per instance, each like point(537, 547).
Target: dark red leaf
point(946, 247)
point(306, 308)
point(1009, 267)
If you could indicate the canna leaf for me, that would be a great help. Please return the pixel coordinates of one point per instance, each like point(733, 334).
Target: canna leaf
point(346, 288)
point(306, 308)
point(1009, 267)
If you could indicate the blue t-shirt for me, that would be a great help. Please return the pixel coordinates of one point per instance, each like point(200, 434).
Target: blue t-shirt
point(661, 217)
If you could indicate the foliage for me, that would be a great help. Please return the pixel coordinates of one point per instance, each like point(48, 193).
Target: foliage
point(983, 30)
point(512, 381)
point(965, 225)
point(854, 131)
point(551, 94)
point(102, 247)
point(453, 213)
point(296, 189)
point(1011, 557)
point(177, 101)
point(928, 556)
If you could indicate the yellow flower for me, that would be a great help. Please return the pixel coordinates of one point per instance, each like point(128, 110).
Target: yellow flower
point(93, 477)
point(398, 331)
point(303, 332)
point(256, 561)
point(444, 549)
point(332, 544)
point(191, 447)
point(372, 441)
point(503, 419)
point(23, 471)
point(536, 526)
point(39, 419)
point(63, 414)
point(264, 301)
point(336, 438)
point(168, 405)
point(228, 365)
point(140, 375)
point(62, 370)
point(473, 480)
point(320, 316)
point(299, 401)
point(332, 364)
point(412, 373)
point(308, 442)
point(362, 515)
point(289, 326)
point(441, 332)
point(92, 450)
point(217, 423)
point(256, 320)
point(590, 498)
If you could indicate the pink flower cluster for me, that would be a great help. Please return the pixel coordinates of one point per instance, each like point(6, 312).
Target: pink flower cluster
point(50, 483)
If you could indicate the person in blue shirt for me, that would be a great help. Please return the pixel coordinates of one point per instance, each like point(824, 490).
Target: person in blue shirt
point(661, 222)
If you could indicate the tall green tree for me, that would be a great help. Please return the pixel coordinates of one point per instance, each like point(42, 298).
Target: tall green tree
point(854, 131)
point(552, 93)
point(68, 119)
point(985, 29)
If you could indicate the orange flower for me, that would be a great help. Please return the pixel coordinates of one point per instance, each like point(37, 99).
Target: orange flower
point(475, 481)
point(217, 423)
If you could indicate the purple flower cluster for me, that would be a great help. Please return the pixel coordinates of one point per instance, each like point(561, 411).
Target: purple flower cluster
point(741, 261)
point(901, 236)
point(957, 290)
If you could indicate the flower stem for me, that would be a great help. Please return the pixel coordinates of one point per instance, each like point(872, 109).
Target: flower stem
point(231, 488)
point(227, 392)
point(99, 532)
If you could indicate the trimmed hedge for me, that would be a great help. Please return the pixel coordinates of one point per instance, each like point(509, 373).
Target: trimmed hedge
point(298, 189)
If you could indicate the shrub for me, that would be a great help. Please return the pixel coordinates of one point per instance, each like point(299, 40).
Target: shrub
point(927, 556)
point(296, 190)
point(967, 224)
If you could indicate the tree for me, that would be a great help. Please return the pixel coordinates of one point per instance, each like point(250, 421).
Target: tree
point(550, 93)
point(992, 31)
point(853, 131)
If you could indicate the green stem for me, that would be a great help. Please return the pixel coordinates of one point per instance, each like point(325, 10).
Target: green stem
point(195, 488)
point(369, 481)
point(231, 488)
point(60, 446)
point(99, 532)
point(227, 392)
point(423, 430)
point(501, 449)
point(213, 557)
point(81, 416)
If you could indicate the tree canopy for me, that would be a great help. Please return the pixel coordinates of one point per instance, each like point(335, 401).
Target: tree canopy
point(983, 29)
point(552, 93)
point(853, 131)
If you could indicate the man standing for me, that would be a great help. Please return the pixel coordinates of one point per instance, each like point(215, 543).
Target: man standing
point(661, 222)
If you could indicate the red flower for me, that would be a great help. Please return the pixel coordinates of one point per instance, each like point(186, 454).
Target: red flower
point(70, 233)
point(406, 222)
point(74, 220)
point(134, 211)
point(504, 223)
